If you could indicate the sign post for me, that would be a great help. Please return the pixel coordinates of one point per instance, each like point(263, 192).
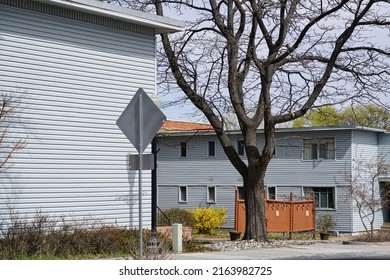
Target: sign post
point(140, 151)
point(132, 122)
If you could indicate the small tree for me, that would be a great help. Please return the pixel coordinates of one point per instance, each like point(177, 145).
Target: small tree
point(365, 192)
point(7, 148)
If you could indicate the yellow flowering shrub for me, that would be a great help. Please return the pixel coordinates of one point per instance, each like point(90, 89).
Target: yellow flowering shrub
point(206, 220)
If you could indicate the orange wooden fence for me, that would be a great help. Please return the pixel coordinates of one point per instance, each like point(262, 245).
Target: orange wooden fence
point(281, 215)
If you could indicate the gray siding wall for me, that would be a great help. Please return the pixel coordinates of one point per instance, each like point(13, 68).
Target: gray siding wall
point(168, 197)
point(384, 146)
point(283, 192)
point(365, 147)
point(343, 213)
point(72, 80)
point(287, 171)
point(287, 168)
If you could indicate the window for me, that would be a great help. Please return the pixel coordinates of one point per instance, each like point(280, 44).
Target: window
point(271, 192)
point(183, 149)
point(319, 148)
point(211, 194)
point(183, 194)
point(240, 147)
point(324, 196)
point(241, 193)
point(211, 149)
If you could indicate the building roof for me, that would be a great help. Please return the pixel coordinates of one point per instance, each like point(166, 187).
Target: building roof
point(207, 129)
point(159, 23)
point(181, 126)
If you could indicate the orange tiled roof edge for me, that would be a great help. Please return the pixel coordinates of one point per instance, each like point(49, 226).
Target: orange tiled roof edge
point(181, 126)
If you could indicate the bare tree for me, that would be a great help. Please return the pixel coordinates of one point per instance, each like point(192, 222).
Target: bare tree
point(269, 62)
point(364, 189)
point(7, 146)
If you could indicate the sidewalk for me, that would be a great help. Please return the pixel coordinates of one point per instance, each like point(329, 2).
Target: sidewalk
point(316, 251)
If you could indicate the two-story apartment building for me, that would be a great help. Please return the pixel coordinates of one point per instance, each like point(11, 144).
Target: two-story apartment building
point(193, 170)
point(72, 66)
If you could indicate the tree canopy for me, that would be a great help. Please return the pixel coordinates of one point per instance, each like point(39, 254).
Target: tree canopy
point(370, 116)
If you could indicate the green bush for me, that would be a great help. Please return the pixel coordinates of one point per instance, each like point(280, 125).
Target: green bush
point(176, 215)
point(207, 220)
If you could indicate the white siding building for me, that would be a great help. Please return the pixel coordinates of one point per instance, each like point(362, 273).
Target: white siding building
point(72, 67)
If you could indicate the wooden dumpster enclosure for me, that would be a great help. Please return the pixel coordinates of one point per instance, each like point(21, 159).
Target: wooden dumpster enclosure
point(281, 215)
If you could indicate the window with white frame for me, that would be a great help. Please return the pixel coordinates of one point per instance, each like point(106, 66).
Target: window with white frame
point(211, 194)
point(319, 148)
point(324, 196)
point(211, 149)
point(271, 192)
point(240, 147)
point(183, 194)
point(183, 149)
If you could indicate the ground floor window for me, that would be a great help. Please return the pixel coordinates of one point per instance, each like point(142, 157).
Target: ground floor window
point(183, 194)
point(241, 193)
point(324, 196)
point(271, 192)
point(211, 194)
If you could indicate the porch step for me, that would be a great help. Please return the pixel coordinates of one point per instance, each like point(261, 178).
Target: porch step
point(385, 227)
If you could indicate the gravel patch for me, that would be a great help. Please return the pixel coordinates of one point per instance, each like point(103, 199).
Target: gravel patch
point(246, 245)
point(253, 245)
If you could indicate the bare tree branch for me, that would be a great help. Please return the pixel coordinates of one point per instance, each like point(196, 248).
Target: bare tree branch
point(269, 62)
point(7, 148)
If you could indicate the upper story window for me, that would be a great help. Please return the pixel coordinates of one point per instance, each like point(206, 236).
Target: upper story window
point(240, 147)
point(211, 149)
point(319, 148)
point(183, 149)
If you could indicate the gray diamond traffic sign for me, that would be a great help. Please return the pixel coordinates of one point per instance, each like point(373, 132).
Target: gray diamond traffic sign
point(141, 120)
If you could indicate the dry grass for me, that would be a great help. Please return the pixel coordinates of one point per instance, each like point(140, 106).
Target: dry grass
point(380, 236)
point(42, 237)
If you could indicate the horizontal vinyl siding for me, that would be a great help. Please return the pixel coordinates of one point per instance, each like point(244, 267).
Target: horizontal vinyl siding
point(284, 192)
point(168, 197)
point(72, 81)
point(286, 168)
point(365, 147)
point(343, 214)
point(384, 146)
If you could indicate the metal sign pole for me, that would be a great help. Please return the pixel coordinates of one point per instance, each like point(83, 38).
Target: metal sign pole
point(140, 178)
point(140, 134)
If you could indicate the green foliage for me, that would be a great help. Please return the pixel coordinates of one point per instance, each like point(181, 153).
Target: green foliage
point(207, 220)
point(176, 215)
point(370, 116)
point(323, 116)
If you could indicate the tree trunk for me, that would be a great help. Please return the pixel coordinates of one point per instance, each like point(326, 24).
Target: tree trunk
point(255, 211)
point(254, 188)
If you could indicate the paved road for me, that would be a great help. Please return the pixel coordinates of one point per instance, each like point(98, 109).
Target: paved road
point(316, 251)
